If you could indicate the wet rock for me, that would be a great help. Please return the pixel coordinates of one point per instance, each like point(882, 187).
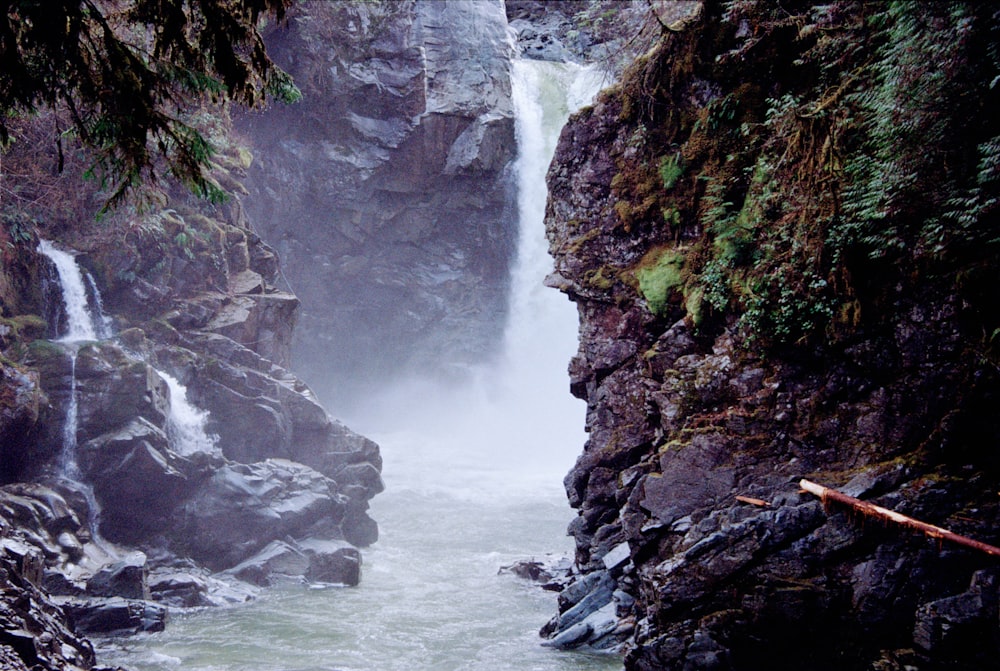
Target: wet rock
point(962, 628)
point(34, 631)
point(127, 578)
point(136, 478)
point(114, 615)
point(241, 508)
point(331, 562)
point(18, 415)
point(278, 560)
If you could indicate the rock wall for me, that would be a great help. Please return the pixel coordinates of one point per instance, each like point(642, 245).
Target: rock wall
point(386, 191)
point(678, 203)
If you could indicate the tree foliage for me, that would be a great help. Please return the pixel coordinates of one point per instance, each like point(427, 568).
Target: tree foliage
point(128, 73)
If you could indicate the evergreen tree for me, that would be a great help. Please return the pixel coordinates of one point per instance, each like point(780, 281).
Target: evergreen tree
point(126, 74)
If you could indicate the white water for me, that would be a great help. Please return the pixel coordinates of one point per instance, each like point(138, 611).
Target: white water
point(185, 422)
point(80, 327)
point(79, 323)
point(473, 482)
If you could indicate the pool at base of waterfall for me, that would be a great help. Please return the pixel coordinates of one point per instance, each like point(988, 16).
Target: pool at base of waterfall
point(431, 598)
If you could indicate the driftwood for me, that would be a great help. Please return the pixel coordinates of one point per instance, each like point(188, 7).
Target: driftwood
point(754, 502)
point(871, 510)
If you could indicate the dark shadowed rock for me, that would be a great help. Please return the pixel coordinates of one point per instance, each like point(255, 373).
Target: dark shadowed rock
point(332, 562)
point(241, 508)
point(127, 578)
point(114, 615)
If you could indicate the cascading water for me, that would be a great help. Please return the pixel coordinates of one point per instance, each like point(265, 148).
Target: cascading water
point(185, 422)
point(79, 322)
point(79, 327)
point(473, 482)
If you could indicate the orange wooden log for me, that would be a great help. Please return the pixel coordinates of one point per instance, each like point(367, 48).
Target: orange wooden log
point(754, 502)
point(871, 510)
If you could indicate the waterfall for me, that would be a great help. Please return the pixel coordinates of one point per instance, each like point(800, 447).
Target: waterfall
point(103, 324)
point(79, 323)
point(473, 474)
point(79, 327)
point(186, 423)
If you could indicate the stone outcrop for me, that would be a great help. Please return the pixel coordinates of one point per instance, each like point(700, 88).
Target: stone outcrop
point(688, 409)
point(387, 189)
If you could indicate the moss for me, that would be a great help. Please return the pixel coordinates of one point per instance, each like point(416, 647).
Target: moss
point(44, 349)
point(603, 278)
point(660, 274)
point(26, 327)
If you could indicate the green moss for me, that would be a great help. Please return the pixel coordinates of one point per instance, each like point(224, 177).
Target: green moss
point(44, 349)
point(603, 278)
point(660, 274)
point(26, 327)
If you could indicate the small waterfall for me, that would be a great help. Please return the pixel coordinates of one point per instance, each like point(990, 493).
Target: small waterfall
point(186, 423)
point(79, 322)
point(79, 327)
point(103, 324)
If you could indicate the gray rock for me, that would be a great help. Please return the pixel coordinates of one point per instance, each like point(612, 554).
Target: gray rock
point(332, 562)
point(114, 615)
point(126, 578)
point(278, 560)
point(390, 184)
point(242, 508)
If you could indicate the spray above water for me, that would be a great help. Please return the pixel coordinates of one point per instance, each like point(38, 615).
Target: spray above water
point(512, 427)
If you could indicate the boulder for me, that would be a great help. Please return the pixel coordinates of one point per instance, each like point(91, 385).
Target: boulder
point(277, 561)
point(114, 615)
point(136, 479)
point(332, 562)
point(241, 508)
point(127, 578)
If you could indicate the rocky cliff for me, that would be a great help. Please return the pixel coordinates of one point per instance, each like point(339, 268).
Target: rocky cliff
point(387, 191)
point(780, 230)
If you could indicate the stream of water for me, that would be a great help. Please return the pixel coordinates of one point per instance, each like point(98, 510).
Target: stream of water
point(473, 483)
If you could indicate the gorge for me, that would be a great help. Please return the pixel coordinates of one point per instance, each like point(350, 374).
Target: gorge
point(776, 228)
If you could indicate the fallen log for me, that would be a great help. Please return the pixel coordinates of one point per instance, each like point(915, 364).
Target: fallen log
point(871, 510)
point(754, 502)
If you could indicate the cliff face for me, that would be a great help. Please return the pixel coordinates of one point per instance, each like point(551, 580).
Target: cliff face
point(776, 230)
point(387, 190)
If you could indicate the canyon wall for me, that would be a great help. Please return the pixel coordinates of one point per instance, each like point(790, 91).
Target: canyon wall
point(388, 190)
point(777, 231)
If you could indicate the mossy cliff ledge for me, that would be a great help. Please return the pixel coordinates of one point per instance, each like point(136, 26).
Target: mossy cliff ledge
point(779, 230)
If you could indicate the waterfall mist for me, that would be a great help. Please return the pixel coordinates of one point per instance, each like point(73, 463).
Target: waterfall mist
point(511, 422)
